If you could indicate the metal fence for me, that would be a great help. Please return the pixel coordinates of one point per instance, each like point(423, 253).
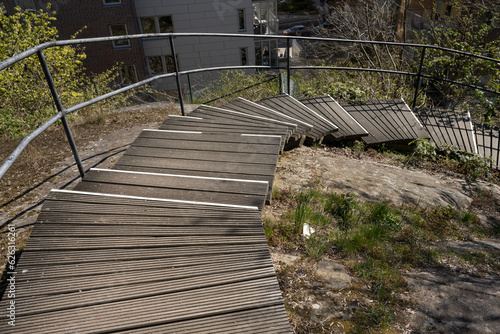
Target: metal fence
point(62, 111)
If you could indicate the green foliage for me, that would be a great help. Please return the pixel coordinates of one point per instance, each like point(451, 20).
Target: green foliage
point(302, 211)
point(470, 31)
point(471, 164)
point(450, 157)
point(425, 149)
point(379, 240)
point(229, 83)
point(358, 148)
point(379, 316)
point(24, 94)
point(25, 98)
point(317, 245)
point(323, 82)
point(345, 208)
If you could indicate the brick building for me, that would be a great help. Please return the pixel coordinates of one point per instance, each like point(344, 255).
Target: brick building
point(143, 58)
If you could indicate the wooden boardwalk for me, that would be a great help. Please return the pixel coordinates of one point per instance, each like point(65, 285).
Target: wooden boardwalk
point(333, 111)
point(449, 127)
point(170, 239)
point(488, 143)
point(387, 121)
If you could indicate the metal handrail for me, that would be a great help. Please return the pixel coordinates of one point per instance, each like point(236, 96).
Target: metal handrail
point(62, 112)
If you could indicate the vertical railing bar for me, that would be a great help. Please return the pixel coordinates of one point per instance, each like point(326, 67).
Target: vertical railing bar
point(288, 65)
point(177, 79)
point(419, 77)
point(498, 149)
point(60, 108)
point(491, 145)
point(190, 89)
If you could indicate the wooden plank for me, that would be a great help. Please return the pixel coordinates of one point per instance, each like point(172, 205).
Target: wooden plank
point(148, 311)
point(51, 228)
point(233, 129)
point(175, 267)
point(198, 165)
point(89, 297)
point(178, 187)
point(329, 108)
point(75, 201)
point(219, 114)
point(201, 146)
point(289, 106)
point(237, 157)
point(263, 320)
point(50, 257)
point(450, 127)
point(169, 181)
point(243, 105)
point(375, 136)
point(209, 137)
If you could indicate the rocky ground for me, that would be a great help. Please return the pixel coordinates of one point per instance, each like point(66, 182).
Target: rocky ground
point(453, 298)
point(449, 299)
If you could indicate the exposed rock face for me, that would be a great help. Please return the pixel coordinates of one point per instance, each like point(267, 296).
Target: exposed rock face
point(370, 180)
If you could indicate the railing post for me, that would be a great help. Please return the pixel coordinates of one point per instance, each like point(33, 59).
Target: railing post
point(288, 65)
point(60, 108)
point(190, 90)
point(419, 78)
point(177, 80)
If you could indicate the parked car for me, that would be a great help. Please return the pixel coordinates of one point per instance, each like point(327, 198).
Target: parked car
point(299, 30)
point(324, 25)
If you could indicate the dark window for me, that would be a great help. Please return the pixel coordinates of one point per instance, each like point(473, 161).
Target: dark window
point(170, 63)
point(28, 5)
point(162, 64)
point(243, 52)
point(165, 24)
point(128, 74)
point(112, 2)
point(447, 11)
point(241, 19)
point(118, 30)
point(148, 25)
point(156, 65)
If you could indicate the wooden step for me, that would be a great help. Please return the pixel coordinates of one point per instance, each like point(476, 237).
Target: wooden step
point(330, 109)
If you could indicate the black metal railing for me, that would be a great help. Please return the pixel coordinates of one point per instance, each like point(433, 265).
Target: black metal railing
point(62, 111)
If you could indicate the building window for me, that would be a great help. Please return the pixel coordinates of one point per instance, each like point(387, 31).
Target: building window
point(162, 64)
point(128, 75)
point(28, 5)
point(169, 60)
point(111, 2)
point(165, 24)
point(447, 11)
point(243, 53)
point(118, 30)
point(158, 24)
point(156, 65)
point(148, 25)
point(241, 20)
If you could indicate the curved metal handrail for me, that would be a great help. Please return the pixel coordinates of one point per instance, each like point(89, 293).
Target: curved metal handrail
point(62, 112)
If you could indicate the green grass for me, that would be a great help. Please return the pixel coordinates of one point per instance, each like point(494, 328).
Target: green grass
point(376, 240)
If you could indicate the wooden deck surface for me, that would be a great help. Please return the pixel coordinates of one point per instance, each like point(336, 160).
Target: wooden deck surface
point(375, 117)
point(294, 108)
point(488, 143)
point(449, 127)
point(333, 111)
point(171, 241)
